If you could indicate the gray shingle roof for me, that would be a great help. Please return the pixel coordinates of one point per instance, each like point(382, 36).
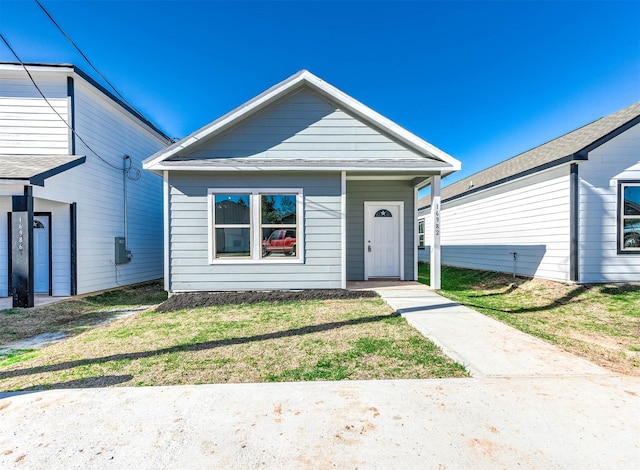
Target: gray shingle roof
point(34, 169)
point(572, 146)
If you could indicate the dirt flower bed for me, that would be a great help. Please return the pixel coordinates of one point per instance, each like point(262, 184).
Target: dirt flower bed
point(212, 299)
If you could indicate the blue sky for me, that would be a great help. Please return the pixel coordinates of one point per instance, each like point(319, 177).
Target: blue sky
point(482, 80)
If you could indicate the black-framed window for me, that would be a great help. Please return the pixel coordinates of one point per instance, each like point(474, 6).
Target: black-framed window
point(629, 217)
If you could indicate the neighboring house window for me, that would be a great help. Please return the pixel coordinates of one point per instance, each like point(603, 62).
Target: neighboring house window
point(255, 225)
point(421, 234)
point(629, 209)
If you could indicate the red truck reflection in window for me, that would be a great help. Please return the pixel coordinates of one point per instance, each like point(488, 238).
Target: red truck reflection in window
point(280, 241)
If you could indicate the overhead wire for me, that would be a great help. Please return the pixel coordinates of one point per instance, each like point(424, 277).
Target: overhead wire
point(15, 54)
point(84, 56)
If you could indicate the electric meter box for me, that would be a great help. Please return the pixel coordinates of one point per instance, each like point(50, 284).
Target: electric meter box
point(122, 254)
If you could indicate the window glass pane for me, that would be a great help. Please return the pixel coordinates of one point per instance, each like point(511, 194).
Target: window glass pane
point(632, 200)
point(233, 242)
point(421, 226)
point(279, 242)
point(632, 233)
point(278, 209)
point(232, 209)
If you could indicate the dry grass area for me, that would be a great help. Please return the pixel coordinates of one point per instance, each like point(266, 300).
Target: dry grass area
point(599, 322)
point(279, 341)
point(72, 315)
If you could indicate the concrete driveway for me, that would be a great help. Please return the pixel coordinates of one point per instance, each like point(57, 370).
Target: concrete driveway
point(528, 406)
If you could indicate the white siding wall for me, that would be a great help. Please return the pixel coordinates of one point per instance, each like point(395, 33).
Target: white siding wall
point(94, 186)
point(28, 126)
point(618, 159)
point(189, 265)
point(529, 216)
point(98, 190)
point(303, 122)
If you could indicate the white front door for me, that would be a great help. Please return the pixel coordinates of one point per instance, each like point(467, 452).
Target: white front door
point(41, 254)
point(383, 242)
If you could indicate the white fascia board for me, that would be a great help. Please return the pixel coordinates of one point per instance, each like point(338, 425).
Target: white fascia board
point(287, 85)
point(63, 68)
point(420, 172)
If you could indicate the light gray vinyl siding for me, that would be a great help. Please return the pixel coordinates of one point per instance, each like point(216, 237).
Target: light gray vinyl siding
point(190, 268)
point(28, 126)
point(359, 191)
point(618, 159)
point(529, 216)
point(303, 124)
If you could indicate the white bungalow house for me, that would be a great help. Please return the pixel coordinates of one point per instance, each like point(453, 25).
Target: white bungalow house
point(78, 214)
point(568, 210)
point(301, 187)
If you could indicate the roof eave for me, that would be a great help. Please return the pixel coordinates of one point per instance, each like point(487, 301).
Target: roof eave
point(159, 168)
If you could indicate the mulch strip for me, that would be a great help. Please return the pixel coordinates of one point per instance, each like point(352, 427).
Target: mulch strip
point(210, 299)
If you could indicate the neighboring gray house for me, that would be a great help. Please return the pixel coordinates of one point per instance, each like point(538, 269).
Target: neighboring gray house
point(63, 206)
point(568, 210)
point(337, 181)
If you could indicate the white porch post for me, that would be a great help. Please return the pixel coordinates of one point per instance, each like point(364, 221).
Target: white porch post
point(435, 234)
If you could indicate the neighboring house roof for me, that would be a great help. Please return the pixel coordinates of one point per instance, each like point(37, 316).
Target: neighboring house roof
point(573, 146)
point(73, 69)
point(36, 168)
point(176, 156)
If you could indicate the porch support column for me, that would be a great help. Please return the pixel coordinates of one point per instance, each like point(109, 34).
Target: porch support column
point(435, 235)
point(343, 228)
point(22, 249)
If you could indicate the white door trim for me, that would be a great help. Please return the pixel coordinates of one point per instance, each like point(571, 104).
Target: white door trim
point(400, 205)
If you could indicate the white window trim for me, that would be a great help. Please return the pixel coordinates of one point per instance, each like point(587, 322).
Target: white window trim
point(256, 239)
point(621, 218)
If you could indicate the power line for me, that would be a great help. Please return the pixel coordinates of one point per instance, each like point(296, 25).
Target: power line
point(15, 54)
point(84, 56)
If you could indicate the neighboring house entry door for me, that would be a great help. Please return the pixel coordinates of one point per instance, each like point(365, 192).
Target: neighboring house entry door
point(41, 253)
point(383, 239)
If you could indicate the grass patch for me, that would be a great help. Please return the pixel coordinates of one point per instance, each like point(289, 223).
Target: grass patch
point(16, 356)
point(598, 322)
point(353, 339)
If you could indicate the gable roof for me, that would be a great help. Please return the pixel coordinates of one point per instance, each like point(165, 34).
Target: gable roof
point(437, 160)
point(573, 146)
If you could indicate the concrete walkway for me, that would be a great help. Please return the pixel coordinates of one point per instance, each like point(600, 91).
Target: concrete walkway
point(529, 406)
point(486, 347)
